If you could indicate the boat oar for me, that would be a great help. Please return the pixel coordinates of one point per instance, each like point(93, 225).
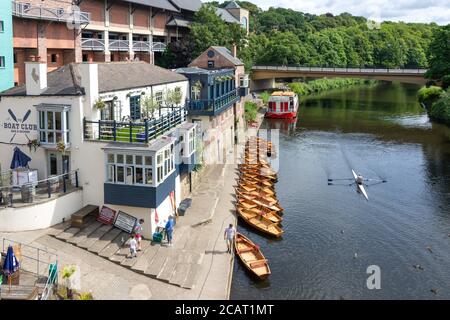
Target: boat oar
point(339, 179)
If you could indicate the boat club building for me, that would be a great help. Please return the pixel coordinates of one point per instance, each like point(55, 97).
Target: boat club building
point(117, 133)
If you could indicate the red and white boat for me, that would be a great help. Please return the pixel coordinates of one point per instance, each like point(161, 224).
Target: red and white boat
point(282, 105)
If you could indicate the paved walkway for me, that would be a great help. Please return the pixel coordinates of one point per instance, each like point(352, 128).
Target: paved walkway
point(199, 231)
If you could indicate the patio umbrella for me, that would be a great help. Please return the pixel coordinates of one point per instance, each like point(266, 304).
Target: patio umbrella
point(11, 264)
point(19, 160)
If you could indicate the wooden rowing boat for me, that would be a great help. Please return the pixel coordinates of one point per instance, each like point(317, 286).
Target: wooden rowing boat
point(258, 170)
point(271, 215)
point(255, 192)
point(261, 223)
point(251, 256)
point(252, 188)
point(257, 183)
point(257, 175)
point(271, 203)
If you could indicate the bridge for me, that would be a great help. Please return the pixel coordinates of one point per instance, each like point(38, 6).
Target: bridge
point(263, 77)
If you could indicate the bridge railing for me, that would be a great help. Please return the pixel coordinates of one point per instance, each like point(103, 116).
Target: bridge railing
point(341, 70)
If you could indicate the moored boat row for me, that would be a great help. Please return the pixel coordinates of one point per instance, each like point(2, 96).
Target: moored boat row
point(257, 203)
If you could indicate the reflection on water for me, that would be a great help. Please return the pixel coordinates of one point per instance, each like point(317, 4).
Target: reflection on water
point(383, 133)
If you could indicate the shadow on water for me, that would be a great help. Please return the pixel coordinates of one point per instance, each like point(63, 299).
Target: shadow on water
point(331, 233)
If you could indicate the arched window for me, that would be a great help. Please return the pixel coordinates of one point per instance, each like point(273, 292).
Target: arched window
point(244, 22)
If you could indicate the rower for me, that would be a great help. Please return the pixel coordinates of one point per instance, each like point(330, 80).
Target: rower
point(359, 179)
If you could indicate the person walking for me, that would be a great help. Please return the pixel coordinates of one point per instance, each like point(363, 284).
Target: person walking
point(229, 235)
point(133, 246)
point(138, 231)
point(169, 230)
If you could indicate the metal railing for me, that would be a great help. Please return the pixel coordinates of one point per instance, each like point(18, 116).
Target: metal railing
point(342, 70)
point(41, 12)
point(159, 47)
point(213, 105)
point(133, 132)
point(141, 46)
point(35, 192)
point(119, 45)
point(93, 44)
point(37, 262)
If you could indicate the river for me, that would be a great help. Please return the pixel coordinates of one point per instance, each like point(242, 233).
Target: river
point(332, 234)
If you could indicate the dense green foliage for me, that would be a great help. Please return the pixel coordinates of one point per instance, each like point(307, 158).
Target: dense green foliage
point(439, 53)
point(429, 95)
point(251, 111)
point(285, 36)
point(319, 85)
point(265, 97)
point(440, 110)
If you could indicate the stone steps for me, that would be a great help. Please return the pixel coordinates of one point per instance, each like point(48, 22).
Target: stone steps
point(177, 264)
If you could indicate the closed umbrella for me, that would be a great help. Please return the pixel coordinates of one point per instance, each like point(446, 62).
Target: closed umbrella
point(11, 264)
point(19, 160)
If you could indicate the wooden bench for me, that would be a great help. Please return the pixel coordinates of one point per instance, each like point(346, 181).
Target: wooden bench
point(80, 217)
point(258, 263)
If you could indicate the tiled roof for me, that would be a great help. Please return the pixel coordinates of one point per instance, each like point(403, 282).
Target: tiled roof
point(228, 55)
point(112, 76)
point(226, 16)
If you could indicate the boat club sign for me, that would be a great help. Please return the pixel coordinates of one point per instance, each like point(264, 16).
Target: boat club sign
point(17, 125)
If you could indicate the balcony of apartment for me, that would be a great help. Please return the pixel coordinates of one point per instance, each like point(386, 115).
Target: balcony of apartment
point(212, 107)
point(93, 44)
point(43, 12)
point(133, 132)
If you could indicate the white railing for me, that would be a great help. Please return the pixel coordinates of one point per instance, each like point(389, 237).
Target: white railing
point(119, 45)
point(342, 70)
point(93, 44)
point(33, 11)
point(141, 46)
point(159, 47)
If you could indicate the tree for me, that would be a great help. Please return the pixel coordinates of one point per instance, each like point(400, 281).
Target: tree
point(149, 105)
point(439, 53)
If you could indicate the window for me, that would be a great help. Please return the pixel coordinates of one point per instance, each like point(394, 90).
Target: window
point(191, 141)
point(165, 163)
point(15, 58)
point(244, 23)
point(159, 98)
point(2, 26)
point(129, 169)
point(54, 58)
point(54, 126)
point(85, 57)
point(2, 62)
point(210, 64)
point(196, 90)
point(53, 165)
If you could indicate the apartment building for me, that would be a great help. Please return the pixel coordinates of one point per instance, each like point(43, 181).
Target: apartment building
point(65, 31)
point(6, 46)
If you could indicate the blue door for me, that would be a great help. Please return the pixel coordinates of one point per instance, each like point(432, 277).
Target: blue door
point(135, 108)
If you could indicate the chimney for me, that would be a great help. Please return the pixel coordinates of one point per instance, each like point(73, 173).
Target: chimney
point(88, 73)
point(35, 76)
point(234, 50)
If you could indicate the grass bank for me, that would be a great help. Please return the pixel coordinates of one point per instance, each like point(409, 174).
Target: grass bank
point(437, 102)
point(320, 85)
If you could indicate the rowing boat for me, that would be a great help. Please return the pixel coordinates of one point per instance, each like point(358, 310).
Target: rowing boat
point(269, 203)
point(360, 186)
point(271, 215)
point(257, 176)
point(252, 188)
point(255, 192)
point(261, 223)
point(262, 183)
point(251, 256)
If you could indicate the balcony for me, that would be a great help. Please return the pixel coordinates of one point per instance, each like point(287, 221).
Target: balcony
point(141, 46)
point(132, 132)
point(41, 12)
point(93, 44)
point(212, 107)
point(119, 45)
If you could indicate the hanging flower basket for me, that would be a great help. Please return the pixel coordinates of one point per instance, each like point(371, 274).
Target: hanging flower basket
point(61, 147)
point(99, 104)
point(33, 144)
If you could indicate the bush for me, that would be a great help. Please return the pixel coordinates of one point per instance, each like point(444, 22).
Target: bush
point(446, 82)
point(429, 95)
point(265, 97)
point(440, 110)
point(251, 111)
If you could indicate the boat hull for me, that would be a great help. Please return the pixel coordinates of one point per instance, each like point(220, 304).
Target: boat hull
point(249, 254)
point(281, 115)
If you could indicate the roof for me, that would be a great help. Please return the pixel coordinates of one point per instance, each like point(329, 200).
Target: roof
point(178, 22)
point(197, 70)
point(64, 81)
point(228, 55)
point(226, 16)
point(191, 5)
point(115, 76)
point(112, 76)
point(233, 5)
point(162, 4)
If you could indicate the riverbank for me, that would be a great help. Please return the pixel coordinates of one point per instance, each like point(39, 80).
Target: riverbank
point(325, 84)
point(437, 103)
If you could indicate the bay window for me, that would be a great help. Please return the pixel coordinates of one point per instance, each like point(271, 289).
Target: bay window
point(129, 169)
point(54, 125)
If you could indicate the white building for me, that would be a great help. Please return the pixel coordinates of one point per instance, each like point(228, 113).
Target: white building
point(87, 118)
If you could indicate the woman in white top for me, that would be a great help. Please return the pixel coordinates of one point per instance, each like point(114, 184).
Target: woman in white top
point(229, 235)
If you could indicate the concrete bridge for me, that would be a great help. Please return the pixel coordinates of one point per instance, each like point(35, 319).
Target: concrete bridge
point(263, 77)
